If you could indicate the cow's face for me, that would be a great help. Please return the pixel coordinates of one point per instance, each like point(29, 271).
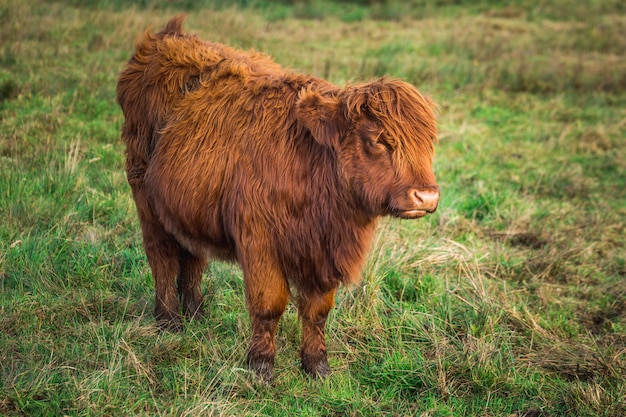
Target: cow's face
point(383, 135)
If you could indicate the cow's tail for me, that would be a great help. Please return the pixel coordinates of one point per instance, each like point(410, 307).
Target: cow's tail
point(152, 82)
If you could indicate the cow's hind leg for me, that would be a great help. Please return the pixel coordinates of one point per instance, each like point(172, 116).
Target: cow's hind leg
point(177, 278)
point(189, 280)
point(267, 294)
point(162, 252)
point(313, 310)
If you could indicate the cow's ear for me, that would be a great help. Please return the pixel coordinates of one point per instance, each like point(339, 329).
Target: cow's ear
point(322, 115)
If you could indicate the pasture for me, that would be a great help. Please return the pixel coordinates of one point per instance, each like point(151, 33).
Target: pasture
point(510, 300)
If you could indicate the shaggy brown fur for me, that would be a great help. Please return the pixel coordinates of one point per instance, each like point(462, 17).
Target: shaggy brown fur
point(231, 156)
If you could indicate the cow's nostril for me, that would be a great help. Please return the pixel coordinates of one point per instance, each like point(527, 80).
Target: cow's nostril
point(416, 197)
point(426, 199)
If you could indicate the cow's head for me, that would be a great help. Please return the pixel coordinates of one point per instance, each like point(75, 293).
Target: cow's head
point(383, 134)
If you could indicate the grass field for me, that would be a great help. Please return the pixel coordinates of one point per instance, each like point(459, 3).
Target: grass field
point(509, 301)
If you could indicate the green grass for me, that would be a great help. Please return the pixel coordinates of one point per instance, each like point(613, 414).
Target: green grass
point(509, 301)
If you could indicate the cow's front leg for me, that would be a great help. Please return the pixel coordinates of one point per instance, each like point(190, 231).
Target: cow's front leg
point(267, 294)
point(313, 310)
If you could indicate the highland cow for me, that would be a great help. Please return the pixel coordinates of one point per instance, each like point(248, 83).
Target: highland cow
point(231, 156)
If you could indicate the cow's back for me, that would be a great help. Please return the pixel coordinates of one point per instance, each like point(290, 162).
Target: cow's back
point(235, 146)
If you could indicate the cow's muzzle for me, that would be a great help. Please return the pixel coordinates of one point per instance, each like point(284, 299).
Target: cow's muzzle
point(423, 201)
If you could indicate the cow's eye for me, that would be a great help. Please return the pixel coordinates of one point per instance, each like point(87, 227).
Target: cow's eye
point(381, 140)
point(387, 146)
point(374, 144)
point(375, 140)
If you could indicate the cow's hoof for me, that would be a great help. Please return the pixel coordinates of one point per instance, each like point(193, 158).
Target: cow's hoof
point(169, 323)
point(317, 367)
point(262, 369)
point(196, 315)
